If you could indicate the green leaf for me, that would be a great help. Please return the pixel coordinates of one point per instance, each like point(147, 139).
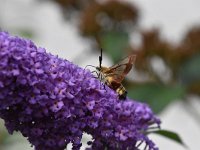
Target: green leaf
point(114, 43)
point(156, 95)
point(170, 135)
point(3, 132)
point(190, 70)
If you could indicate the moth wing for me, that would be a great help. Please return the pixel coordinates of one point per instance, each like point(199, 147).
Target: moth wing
point(120, 70)
point(129, 59)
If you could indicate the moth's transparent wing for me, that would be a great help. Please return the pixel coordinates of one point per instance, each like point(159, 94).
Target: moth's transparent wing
point(120, 70)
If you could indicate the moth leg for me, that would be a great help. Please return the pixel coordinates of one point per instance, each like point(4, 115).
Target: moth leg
point(104, 86)
point(100, 78)
point(97, 74)
point(102, 83)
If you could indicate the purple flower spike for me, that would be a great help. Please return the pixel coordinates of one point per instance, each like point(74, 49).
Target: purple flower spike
point(52, 102)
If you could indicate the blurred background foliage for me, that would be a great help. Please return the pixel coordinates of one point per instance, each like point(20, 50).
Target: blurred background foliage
point(164, 72)
point(170, 71)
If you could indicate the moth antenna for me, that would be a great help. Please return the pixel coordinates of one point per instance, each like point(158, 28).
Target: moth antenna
point(100, 59)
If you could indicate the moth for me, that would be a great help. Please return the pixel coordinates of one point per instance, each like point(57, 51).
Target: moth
point(114, 75)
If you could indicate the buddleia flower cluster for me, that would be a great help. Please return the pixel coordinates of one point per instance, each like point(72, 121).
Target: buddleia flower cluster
point(52, 102)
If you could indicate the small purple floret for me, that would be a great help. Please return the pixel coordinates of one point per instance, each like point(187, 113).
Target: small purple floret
point(52, 102)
